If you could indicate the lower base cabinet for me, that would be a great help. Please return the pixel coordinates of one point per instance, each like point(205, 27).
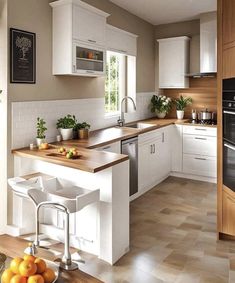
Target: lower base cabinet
point(228, 205)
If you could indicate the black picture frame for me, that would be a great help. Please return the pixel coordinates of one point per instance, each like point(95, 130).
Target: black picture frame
point(22, 56)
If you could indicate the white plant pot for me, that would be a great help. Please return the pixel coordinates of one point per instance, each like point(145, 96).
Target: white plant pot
point(39, 141)
point(160, 115)
point(67, 134)
point(180, 114)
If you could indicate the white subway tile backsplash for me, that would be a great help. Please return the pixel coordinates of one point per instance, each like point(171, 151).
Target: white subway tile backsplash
point(24, 115)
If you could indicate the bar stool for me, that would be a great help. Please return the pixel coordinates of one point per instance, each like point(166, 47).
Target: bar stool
point(67, 203)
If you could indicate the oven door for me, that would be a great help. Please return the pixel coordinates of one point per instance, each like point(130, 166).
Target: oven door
point(229, 125)
point(229, 166)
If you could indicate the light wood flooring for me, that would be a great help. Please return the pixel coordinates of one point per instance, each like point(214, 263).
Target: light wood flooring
point(173, 239)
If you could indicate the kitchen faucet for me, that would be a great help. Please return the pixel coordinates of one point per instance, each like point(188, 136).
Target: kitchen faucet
point(121, 120)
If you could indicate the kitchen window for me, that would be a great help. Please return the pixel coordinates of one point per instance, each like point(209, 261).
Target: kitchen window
point(120, 81)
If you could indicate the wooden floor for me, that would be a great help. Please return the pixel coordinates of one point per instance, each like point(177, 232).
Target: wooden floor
point(173, 239)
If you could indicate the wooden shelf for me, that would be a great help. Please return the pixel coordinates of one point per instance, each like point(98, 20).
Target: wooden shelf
point(91, 60)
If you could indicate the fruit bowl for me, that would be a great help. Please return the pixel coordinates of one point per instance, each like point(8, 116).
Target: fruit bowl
point(54, 267)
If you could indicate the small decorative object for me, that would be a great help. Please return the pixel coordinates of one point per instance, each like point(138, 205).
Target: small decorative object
point(161, 105)
point(181, 103)
point(58, 138)
point(66, 125)
point(90, 55)
point(31, 146)
point(23, 57)
point(41, 129)
point(83, 130)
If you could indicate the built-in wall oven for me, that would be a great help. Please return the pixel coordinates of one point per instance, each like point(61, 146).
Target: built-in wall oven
point(229, 133)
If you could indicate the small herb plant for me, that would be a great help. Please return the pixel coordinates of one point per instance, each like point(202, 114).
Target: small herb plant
point(182, 102)
point(160, 103)
point(41, 128)
point(68, 122)
point(83, 125)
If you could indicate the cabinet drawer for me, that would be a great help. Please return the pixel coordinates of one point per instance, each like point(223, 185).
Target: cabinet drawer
point(112, 147)
point(202, 145)
point(199, 165)
point(200, 130)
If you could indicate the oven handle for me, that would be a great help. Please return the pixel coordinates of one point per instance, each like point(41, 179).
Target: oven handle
point(229, 112)
point(229, 146)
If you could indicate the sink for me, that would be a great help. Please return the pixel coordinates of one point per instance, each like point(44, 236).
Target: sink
point(139, 126)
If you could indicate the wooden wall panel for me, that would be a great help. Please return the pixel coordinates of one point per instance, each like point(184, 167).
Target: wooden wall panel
point(203, 92)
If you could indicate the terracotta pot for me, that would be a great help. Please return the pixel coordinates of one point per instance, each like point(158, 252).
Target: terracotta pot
point(83, 134)
point(160, 115)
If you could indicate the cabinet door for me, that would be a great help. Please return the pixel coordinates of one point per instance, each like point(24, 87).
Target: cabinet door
point(88, 26)
point(229, 63)
point(228, 21)
point(173, 63)
point(228, 212)
point(145, 158)
point(177, 148)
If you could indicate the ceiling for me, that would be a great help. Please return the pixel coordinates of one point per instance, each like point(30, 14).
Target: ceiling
point(167, 11)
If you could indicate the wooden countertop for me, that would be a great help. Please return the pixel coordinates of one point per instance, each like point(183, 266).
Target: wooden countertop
point(91, 160)
point(14, 247)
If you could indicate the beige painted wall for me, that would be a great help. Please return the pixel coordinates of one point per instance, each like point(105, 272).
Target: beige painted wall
point(36, 16)
point(189, 28)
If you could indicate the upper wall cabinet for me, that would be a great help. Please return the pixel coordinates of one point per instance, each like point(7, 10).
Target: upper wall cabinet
point(173, 62)
point(121, 41)
point(79, 39)
point(228, 36)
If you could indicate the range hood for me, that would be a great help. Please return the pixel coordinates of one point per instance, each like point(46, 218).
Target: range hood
point(208, 46)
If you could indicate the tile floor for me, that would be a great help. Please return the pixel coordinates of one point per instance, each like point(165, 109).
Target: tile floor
point(173, 239)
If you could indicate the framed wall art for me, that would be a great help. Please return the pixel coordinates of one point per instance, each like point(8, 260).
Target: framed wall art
point(23, 56)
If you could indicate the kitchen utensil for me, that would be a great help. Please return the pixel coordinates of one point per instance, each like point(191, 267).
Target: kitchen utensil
point(194, 115)
point(205, 115)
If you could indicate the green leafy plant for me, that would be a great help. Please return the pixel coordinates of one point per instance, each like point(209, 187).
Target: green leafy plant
point(83, 125)
point(41, 128)
point(67, 122)
point(182, 102)
point(160, 103)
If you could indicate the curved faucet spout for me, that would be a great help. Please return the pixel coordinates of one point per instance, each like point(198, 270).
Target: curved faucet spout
point(121, 120)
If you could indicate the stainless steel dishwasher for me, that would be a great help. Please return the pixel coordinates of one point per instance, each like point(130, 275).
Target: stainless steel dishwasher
point(130, 148)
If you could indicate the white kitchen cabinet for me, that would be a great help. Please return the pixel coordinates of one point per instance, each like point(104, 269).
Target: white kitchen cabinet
point(89, 24)
point(121, 41)
point(199, 151)
point(79, 38)
point(154, 158)
point(177, 148)
point(173, 62)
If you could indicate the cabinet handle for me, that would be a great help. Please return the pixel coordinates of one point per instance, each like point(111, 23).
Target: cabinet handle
point(163, 137)
point(229, 112)
point(197, 129)
point(154, 148)
point(229, 146)
point(151, 149)
point(203, 139)
point(199, 158)
point(93, 41)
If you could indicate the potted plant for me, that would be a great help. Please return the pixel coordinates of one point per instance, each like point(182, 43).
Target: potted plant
point(161, 105)
point(65, 125)
point(83, 130)
point(41, 129)
point(181, 103)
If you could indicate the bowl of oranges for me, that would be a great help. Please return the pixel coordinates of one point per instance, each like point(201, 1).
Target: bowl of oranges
point(30, 269)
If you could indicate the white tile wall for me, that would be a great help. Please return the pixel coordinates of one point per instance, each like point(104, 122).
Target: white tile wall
point(24, 115)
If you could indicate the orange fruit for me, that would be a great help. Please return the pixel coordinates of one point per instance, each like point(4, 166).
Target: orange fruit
point(41, 265)
point(48, 275)
point(29, 257)
point(27, 268)
point(14, 265)
point(36, 279)
point(7, 275)
point(18, 279)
